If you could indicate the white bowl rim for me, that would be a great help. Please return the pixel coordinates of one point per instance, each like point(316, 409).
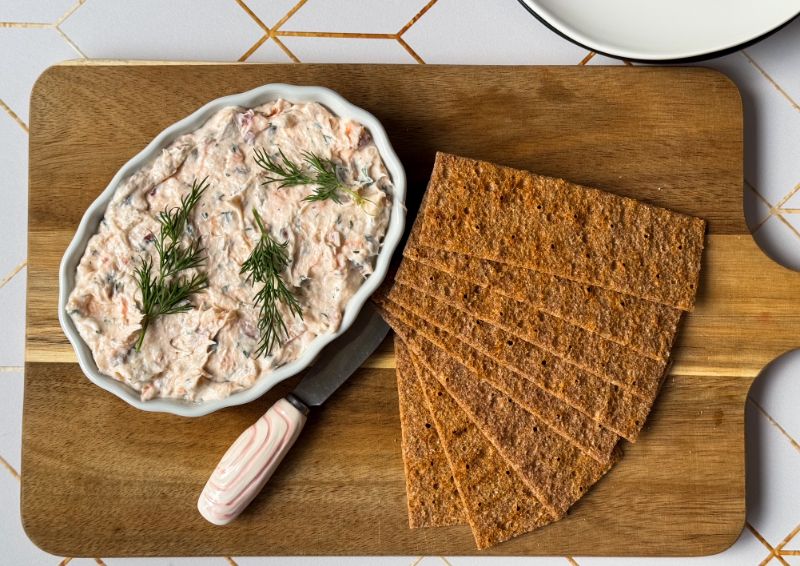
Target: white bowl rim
point(605, 45)
point(91, 219)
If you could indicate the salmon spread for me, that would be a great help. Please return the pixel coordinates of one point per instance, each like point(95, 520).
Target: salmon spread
point(209, 351)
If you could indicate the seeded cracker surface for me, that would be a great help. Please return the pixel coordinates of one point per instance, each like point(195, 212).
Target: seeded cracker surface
point(433, 499)
point(576, 427)
point(550, 225)
point(545, 313)
point(644, 326)
point(589, 351)
point(607, 403)
point(555, 470)
point(497, 503)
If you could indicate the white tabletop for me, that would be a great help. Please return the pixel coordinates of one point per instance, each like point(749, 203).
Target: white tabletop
point(34, 35)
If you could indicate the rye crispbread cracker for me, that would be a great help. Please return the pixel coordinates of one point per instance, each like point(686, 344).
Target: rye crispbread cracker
point(576, 427)
point(607, 404)
point(458, 321)
point(497, 503)
point(642, 325)
point(556, 471)
point(433, 499)
point(591, 352)
point(550, 225)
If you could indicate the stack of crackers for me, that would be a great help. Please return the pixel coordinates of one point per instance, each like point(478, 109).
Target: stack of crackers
point(534, 321)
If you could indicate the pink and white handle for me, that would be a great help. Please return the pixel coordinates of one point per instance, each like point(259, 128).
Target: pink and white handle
point(249, 463)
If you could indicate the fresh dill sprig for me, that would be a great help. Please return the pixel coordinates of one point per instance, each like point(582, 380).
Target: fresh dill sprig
point(265, 265)
point(322, 175)
point(168, 292)
point(288, 174)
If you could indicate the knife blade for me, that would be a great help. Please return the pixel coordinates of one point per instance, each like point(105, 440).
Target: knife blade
point(253, 457)
point(343, 357)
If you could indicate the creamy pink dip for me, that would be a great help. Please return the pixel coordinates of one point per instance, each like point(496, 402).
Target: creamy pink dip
point(208, 352)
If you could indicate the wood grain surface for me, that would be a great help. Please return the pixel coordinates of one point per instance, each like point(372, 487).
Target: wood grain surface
point(101, 478)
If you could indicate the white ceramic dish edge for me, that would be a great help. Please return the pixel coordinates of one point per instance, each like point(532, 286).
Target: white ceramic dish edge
point(91, 218)
point(781, 13)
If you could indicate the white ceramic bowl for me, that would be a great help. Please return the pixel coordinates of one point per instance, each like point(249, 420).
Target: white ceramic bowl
point(91, 220)
point(666, 30)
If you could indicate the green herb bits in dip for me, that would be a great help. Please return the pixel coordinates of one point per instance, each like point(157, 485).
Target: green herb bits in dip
point(290, 179)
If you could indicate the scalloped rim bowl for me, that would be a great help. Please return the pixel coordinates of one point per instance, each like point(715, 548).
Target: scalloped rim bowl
point(96, 211)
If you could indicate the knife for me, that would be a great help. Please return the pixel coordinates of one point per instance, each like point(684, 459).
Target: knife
point(253, 457)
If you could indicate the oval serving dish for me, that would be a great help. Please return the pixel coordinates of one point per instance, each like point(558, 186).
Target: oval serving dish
point(94, 214)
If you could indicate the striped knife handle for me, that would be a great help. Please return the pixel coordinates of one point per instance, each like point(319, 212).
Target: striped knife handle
point(250, 462)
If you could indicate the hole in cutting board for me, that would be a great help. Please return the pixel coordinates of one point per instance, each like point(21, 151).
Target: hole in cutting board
point(778, 236)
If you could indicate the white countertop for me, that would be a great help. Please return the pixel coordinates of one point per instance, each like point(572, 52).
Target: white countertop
point(34, 35)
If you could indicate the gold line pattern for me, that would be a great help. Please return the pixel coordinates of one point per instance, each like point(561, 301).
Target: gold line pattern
point(777, 211)
point(13, 115)
point(69, 12)
point(28, 25)
point(416, 17)
point(270, 33)
point(289, 14)
point(71, 43)
point(771, 208)
point(774, 423)
point(13, 273)
point(787, 540)
point(54, 25)
point(788, 224)
point(274, 33)
point(788, 196)
point(286, 50)
point(763, 541)
point(9, 467)
point(252, 15)
point(760, 224)
point(411, 52)
point(335, 34)
point(771, 80)
point(752, 187)
point(253, 48)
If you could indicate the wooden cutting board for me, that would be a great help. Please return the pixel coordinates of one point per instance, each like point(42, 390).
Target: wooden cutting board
point(100, 478)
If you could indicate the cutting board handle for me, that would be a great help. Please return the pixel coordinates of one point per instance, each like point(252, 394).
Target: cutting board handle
point(250, 462)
